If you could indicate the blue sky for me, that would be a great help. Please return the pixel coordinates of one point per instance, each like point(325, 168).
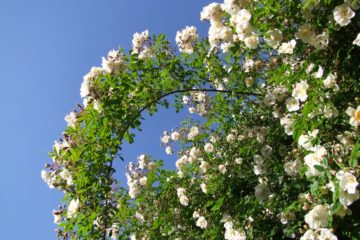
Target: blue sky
point(45, 49)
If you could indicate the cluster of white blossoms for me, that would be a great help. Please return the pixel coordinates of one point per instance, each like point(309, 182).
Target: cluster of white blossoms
point(66, 176)
point(318, 217)
point(232, 233)
point(306, 34)
point(186, 39)
point(273, 38)
point(347, 189)
point(136, 175)
point(299, 94)
point(201, 221)
point(71, 119)
point(141, 45)
point(114, 63)
point(318, 220)
point(198, 102)
point(167, 139)
point(344, 13)
point(184, 200)
point(218, 32)
point(50, 178)
point(57, 177)
point(222, 34)
point(194, 131)
point(87, 89)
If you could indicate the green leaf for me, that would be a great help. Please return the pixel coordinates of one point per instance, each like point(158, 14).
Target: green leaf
point(217, 205)
point(319, 168)
point(314, 188)
point(355, 155)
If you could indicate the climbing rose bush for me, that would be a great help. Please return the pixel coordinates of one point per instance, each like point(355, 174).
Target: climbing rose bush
point(271, 146)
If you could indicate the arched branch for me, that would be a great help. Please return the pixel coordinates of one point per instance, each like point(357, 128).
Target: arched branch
point(146, 106)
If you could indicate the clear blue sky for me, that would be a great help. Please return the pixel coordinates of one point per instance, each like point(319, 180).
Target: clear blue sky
point(45, 49)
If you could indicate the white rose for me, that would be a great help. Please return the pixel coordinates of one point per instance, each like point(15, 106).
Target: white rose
point(208, 147)
point(222, 168)
point(196, 214)
point(262, 192)
point(184, 200)
point(204, 166)
point(305, 139)
point(186, 39)
point(347, 199)
point(203, 187)
point(139, 217)
point(231, 138)
point(314, 159)
point(319, 73)
point(292, 104)
point(242, 17)
point(251, 41)
point(143, 181)
point(134, 192)
point(244, 30)
point(194, 131)
point(292, 168)
point(71, 119)
point(330, 81)
point(73, 208)
point(201, 222)
point(343, 14)
point(318, 217)
point(299, 91)
point(166, 138)
point(114, 63)
point(357, 40)
point(211, 12)
point(354, 116)
point(168, 150)
point(175, 136)
point(273, 38)
point(305, 32)
point(287, 47)
point(347, 181)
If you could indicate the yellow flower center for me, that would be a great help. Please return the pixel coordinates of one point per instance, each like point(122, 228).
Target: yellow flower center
point(357, 115)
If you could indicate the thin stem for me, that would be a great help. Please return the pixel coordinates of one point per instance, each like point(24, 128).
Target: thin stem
point(185, 90)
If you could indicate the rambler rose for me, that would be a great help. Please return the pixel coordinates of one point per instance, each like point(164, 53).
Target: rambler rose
point(343, 14)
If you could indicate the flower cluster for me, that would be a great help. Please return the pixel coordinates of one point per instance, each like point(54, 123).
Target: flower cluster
point(141, 44)
point(186, 39)
point(136, 175)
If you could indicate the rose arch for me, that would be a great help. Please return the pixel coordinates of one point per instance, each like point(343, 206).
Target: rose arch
point(271, 154)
